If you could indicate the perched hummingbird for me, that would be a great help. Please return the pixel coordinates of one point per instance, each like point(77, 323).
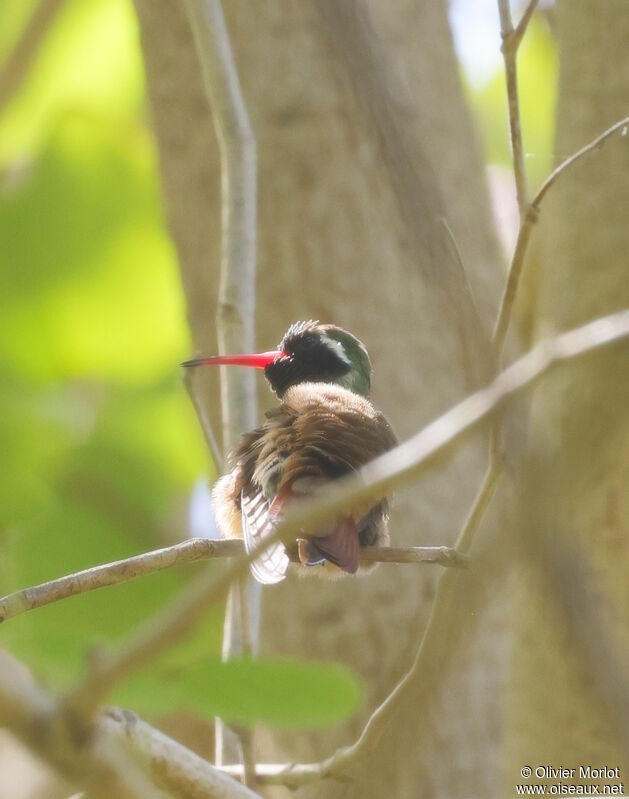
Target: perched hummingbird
point(324, 427)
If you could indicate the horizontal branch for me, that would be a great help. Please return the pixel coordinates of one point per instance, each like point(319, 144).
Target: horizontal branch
point(122, 571)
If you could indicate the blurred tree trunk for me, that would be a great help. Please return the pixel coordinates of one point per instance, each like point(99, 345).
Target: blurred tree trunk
point(341, 241)
point(579, 437)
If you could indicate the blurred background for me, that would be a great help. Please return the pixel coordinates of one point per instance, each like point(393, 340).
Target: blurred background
point(100, 448)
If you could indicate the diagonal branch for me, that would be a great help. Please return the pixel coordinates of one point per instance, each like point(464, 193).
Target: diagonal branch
point(170, 764)
point(195, 549)
point(102, 767)
point(123, 756)
point(400, 466)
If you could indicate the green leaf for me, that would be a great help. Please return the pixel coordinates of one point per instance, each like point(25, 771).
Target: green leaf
point(280, 692)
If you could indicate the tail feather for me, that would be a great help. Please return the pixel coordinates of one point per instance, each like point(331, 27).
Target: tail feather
point(340, 547)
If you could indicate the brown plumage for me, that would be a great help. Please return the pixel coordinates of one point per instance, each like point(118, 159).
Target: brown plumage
point(318, 433)
point(324, 428)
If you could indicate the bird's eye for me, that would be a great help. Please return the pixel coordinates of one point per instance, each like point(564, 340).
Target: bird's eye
point(310, 339)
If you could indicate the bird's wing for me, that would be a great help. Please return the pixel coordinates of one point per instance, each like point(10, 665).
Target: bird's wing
point(270, 567)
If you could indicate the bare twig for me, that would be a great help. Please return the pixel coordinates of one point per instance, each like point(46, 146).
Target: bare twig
point(236, 300)
point(511, 39)
point(482, 499)
point(114, 573)
point(378, 478)
point(20, 60)
point(526, 227)
point(121, 571)
point(204, 420)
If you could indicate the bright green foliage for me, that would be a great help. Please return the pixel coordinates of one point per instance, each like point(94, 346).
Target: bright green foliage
point(98, 443)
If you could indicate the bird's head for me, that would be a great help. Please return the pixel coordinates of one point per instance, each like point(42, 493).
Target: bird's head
point(308, 352)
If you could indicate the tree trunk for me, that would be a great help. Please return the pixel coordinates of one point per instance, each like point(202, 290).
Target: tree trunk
point(572, 632)
point(361, 147)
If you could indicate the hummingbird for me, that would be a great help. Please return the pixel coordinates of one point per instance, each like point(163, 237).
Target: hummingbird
point(324, 427)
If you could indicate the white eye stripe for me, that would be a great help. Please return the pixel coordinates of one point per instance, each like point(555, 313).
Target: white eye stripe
point(333, 344)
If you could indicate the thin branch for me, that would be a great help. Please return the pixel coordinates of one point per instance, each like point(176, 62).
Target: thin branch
point(17, 66)
point(204, 420)
point(523, 24)
point(511, 39)
point(595, 144)
point(398, 467)
point(526, 227)
point(483, 497)
point(236, 298)
point(117, 572)
point(122, 571)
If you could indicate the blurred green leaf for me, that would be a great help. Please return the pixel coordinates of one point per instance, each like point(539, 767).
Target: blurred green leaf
point(89, 60)
point(99, 444)
point(88, 279)
point(280, 692)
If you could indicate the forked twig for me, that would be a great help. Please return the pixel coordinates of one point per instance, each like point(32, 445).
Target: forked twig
point(511, 39)
point(526, 227)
